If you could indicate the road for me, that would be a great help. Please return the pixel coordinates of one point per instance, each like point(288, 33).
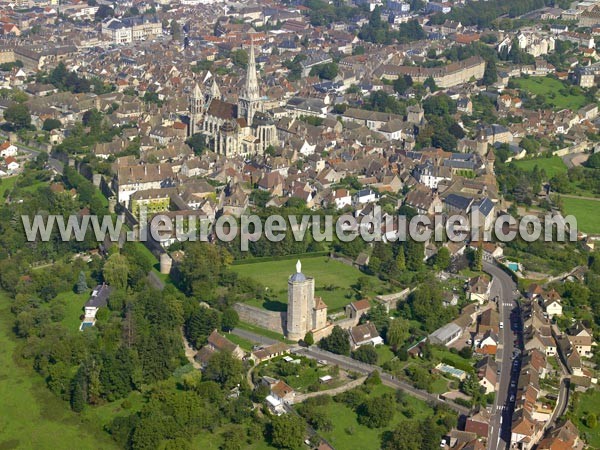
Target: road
point(505, 288)
point(351, 364)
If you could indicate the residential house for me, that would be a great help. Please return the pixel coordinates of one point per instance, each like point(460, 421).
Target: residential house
point(479, 288)
point(581, 339)
point(365, 334)
point(219, 343)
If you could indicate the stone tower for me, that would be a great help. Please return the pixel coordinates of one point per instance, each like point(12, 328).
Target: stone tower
point(249, 101)
point(196, 109)
point(301, 293)
point(482, 143)
point(490, 159)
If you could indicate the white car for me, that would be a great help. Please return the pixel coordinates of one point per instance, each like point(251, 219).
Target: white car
point(501, 325)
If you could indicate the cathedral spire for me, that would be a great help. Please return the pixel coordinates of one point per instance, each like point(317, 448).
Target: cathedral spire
point(251, 87)
point(215, 92)
point(197, 94)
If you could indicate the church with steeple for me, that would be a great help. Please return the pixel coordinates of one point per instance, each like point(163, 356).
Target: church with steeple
point(242, 129)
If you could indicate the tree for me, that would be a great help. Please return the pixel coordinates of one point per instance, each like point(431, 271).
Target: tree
point(398, 332)
point(116, 270)
point(103, 12)
point(327, 71)
point(287, 431)
point(224, 368)
point(200, 324)
point(240, 58)
point(591, 420)
point(430, 83)
point(175, 30)
point(376, 412)
point(478, 260)
point(51, 124)
point(400, 261)
point(229, 320)
point(442, 258)
point(81, 286)
point(234, 439)
point(406, 436)
point(17, 114)
point(78, 391)
point(490, 74)
point(594, 161)
point(366, 354)
point(309, 338)
point(337, 342)
point(197, 142)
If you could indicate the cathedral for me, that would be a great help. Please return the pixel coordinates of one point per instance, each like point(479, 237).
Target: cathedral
point(242, 129)
point(305, 312)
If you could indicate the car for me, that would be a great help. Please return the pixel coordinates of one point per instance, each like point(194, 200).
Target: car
point(469, 341)
point(501, 325)
point(322, 361)
point(513, 383)
point(512, 398)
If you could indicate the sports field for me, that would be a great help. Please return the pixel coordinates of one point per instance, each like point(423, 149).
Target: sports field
point(334, 280)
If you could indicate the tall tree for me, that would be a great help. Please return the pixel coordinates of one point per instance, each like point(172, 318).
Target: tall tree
point(398, 332)
point(17, 114)
point(287, 431)
point(81, 286)
point(116, 270)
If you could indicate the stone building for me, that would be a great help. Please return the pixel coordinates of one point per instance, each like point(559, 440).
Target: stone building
point(305, 312)
point(234, 129)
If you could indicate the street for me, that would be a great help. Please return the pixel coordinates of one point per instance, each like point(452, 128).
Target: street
point(505, 288)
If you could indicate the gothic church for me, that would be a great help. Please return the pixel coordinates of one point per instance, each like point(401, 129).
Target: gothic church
point(242, 129)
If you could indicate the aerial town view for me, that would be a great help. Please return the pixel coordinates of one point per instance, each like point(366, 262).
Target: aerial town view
point(299, 224)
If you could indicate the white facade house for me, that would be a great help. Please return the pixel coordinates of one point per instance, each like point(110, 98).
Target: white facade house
point(8, 149)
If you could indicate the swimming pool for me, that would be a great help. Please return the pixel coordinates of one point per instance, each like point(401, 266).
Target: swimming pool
point(513, 266)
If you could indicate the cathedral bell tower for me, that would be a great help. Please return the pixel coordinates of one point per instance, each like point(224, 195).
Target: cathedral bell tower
point(196, 106)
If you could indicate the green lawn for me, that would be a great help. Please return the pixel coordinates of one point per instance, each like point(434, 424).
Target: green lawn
point(30, 415)
point(243, 343)
point(588, 403)
point(262, 331)
point(586, 212)
point(551, 89)
point(7, 184)
point(73, 307)
point(384, 354)
point(333, 280)
point(552, 166)
point(347, 433)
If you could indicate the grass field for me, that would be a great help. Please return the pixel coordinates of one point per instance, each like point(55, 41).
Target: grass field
point(7, 184)
point(348, 433)
point(552, 166)
point(588, 403)
point(73, 307)
point(586, 212)
point(30, 415)
point(551, 89)
point(333, 280)
point(243, 343)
